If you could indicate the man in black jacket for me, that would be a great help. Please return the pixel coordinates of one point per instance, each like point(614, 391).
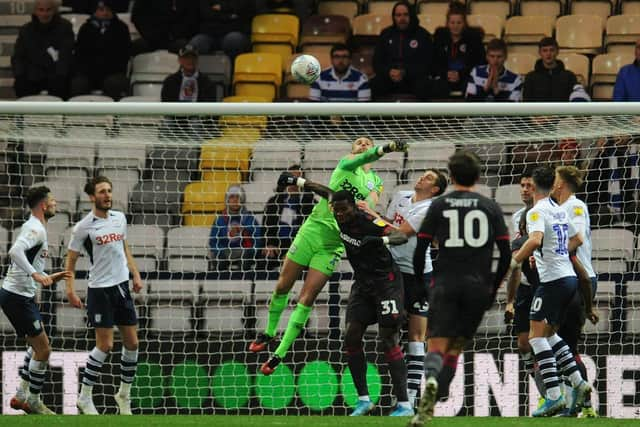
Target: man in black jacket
point(164, 24)
point(102, 54)
point(188, 84)
point(43, 52)
point(549, 81)
point(402, 56)
point(225, 25)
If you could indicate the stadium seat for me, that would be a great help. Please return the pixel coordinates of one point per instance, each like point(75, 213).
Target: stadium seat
point(500, 8)
point(520, 63)
point(275, 154)
point(147, 90)
point(204, 197)
point(275, 33)
point(347, 8)
point(605, 67)
point(258, 193)
point(629, 7)
point(433, 8)
point(56, 227)
point(171, 305)
point(491, 24)
point(225, 154)
point(139, 99)
point(133, 31)
point(578, 64)
point(367, 28)
point(4, 243)
point(146, 241)
point(572, 38)
point(380, 7)
point(528, 29)
point(508, 197)
point(223, 302)
point(12, 23)
point(321, 176)
point(259, 122)
point(423, 155)
point(258, 74)
point(70, 320)
point(109, 156)
point(325, 155)
point(601, 8)
point(218, 68)
point(152, 68)
point(431, 21)
point(622, 30)
point(219, 176)
point(325, 29)
point(612, 249)
point(552, 8)
point(362, 59)
point(483, 189)
point(188, 248)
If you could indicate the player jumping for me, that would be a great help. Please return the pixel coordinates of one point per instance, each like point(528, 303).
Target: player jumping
point(318, 247)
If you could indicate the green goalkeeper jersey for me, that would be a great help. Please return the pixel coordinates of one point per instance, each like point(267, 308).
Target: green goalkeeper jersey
point(350, 176)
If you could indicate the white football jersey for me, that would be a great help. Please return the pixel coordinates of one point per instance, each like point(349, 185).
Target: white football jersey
point(102, 240)
point(33, 239)
point(402, 209)
point(552, 258)
point(579, 215)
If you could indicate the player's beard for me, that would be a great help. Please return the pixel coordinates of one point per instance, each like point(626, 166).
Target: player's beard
point(48, 214)
point(103, 206)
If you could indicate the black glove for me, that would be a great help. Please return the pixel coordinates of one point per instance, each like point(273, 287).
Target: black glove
point(286, 179)
point(370, 241)
point(395, 146)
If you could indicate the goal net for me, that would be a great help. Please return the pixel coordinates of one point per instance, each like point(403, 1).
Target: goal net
point(175, 168)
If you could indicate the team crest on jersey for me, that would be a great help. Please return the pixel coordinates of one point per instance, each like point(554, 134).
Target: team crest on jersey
point(534, 216)
point(370, 185)
point(578, 211)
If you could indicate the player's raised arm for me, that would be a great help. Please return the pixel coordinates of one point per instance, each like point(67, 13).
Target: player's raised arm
point(133, 268)
point(353, 161)
point(287, 179)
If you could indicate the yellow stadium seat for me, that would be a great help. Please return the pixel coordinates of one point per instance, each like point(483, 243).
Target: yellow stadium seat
point(322, 52)
point(369, 24)
point(531, 49)
point(257, 74)
point(622, 48)
point(501, 8)
point(431, 22)
point(275, 28)
point(491, 24)
point(227, 177)
point(520, 63)
point(246, 134)
point(578, 64)
point(381, 7)
point(283, 51)
point(204, 197)
point(602, 92)
point(630, 7)
point(572, 36)
point(601, 8)
point(528, 29)
point(198, 220)
point(347, 8)
point(247, 98)
point(259, 122)
point(622, 29)
point(225, 154)
point(327, 29)
point(541, 7)
point(605, 67)
point(433, 8)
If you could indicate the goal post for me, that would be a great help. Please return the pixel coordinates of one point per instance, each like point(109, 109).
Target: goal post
point(174, 168)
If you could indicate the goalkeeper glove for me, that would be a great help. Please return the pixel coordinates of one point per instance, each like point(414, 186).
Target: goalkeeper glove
point(395, 146)
point(286, 179)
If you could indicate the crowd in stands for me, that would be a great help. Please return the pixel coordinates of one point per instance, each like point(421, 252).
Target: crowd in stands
point(407, 62)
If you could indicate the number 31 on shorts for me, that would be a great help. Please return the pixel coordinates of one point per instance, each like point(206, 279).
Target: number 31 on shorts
point(389, 307)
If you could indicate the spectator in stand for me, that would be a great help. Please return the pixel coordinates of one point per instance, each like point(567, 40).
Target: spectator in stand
point(225, 25)
point(43, 53)
point(284, 213)
point(236, 236)
point(457, 49)
point(102, 54)
point(402, 56)
point(549, 81)
point(188, 84)
point(340, 82)
point(164, 24)
point(493, 82)
point(89, 6)
point(627, 87)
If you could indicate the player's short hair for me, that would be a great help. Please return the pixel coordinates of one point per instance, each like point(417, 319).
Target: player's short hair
point(572, 176)
point(441, 181)
point(36, 195)
point(543, 178)
point(464, 167)
point(343, 195)
point(497, 44)
point(525, 174)
point(90, 186)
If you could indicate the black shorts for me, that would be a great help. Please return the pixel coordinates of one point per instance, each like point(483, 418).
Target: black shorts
point(551, 300)
point(521, 309)
point(457, 304)
point(377, 301)
point(22, 312)
point(571, 329)
point(111, 306)
point(416, 294)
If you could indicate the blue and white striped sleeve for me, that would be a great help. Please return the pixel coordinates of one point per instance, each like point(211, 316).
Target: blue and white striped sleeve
point(364, 91)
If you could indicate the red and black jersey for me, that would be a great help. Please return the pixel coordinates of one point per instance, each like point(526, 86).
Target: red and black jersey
point(465, 225)
point(374, 259)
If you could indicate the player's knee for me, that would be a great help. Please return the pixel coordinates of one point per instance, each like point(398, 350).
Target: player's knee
point(131, 345)
point(389, 339)
point(523, 344)
point(105, 347)
point(353, 339)
point(43, 352)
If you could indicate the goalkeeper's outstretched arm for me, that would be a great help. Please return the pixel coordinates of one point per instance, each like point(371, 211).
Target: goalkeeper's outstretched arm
point(371, 155)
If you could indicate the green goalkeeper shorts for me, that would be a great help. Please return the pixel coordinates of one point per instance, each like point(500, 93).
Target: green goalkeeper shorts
point(313, 249)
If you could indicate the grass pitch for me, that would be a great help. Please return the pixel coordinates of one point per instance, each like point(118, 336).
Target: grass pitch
point(302, 421)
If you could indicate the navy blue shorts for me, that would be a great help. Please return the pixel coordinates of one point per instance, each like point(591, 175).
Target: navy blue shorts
point(22, 312)
point(111, 306)
point(416, 294)
point(551, 300)
point(521, 309)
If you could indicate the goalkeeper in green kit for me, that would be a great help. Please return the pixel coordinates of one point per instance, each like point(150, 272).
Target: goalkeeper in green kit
point(318, 247)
